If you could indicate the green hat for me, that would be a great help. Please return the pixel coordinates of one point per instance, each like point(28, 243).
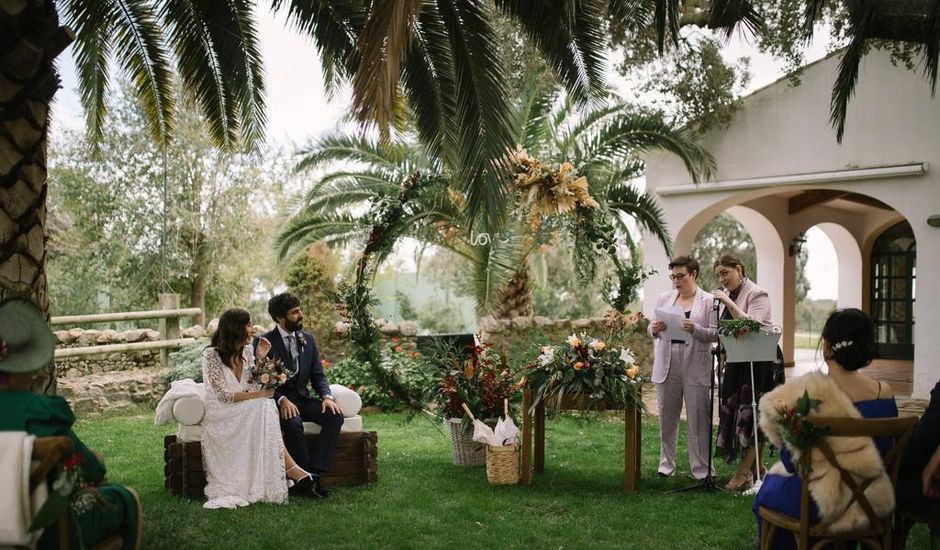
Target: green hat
point(26, 342)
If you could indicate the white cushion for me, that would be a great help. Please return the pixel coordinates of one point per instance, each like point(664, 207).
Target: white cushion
point(350, 424)
point(189, 410)
point(189, 433)
point(348, 400)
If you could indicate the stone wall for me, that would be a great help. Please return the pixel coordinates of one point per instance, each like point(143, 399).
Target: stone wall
point(95, 384)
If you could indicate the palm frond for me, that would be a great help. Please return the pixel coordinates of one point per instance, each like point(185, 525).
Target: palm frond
point(932, 48)
point(382, 46)
point(129, 31)
point(628, 134)
point(334, 26)
point(666, 19)
point(572, 134)
point(862, 18)
point(634, 15)
point(220, 65)
point(430, 87)
point(482, 128)
point(812, 12)
point(627, 200)
point(569, 34)
point(307, 228)
point(530, 117)
point(729, 15)
point(349, 148)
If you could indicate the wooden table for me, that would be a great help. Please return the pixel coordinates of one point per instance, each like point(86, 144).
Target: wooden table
point(631, 438)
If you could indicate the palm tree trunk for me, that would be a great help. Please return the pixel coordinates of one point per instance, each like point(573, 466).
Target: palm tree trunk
point(516, 300)
point(30, 39)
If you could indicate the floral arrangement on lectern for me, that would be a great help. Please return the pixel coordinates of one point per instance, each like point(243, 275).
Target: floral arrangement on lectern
point(586, 370)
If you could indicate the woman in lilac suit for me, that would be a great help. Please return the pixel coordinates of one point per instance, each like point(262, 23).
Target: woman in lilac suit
point(683, 370)
point(741, 297)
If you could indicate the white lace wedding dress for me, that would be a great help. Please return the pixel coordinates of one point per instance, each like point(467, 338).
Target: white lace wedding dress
point(242, 449)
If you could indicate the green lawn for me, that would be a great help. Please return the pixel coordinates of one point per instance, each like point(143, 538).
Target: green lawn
point(423, 501)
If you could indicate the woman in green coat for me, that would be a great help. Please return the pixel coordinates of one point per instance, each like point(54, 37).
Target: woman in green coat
point(26, 344)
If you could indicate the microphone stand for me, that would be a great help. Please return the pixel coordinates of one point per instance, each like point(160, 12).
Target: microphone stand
point(708, 482)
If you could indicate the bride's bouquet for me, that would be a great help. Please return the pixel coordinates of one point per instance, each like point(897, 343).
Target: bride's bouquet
point(268, 373)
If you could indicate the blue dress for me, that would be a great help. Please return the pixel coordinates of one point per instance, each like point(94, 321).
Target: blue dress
point(783, 493)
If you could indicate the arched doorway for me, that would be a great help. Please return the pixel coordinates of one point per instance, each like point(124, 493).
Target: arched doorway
point(893, 291)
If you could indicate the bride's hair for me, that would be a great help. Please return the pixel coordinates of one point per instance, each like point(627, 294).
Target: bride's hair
point(230, 334)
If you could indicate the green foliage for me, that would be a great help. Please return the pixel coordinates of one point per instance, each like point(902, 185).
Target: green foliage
point(405, 309)
point(413, 372)
point(187, 362)
point(311, 277)
point(107, 211)
point(738, 327)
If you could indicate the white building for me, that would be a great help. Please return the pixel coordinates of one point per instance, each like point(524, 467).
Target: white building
point(781, 171)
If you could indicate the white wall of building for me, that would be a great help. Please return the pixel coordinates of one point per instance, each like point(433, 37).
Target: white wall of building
point(782, 132)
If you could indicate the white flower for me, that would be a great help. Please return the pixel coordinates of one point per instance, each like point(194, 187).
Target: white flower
point(627, 356)
point(574, 341)
point(548, 355)
point(597, 345)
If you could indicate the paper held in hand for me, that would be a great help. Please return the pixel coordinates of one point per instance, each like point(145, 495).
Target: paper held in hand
point(673, 317)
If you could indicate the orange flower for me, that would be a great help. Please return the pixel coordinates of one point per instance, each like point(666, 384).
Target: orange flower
point(632, 372)
point(326, 364)
point(578, 366)
point(398, 349)
point(468, 368)
point(415, 355)
point(394, 340)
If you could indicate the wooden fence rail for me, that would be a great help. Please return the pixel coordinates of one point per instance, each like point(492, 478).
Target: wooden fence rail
point(169, 315)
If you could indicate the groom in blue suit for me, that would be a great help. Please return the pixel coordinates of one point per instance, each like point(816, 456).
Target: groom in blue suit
point(297, 350)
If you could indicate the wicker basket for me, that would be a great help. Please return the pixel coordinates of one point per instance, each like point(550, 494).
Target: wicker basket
point(466, 451)
point(502, 464)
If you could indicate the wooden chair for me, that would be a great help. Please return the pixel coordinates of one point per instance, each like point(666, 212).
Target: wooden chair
point(48, 451)
point(879, 532)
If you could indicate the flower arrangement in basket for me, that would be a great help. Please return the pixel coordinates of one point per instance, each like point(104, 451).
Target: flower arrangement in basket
point(588, 370)
point(481, 379)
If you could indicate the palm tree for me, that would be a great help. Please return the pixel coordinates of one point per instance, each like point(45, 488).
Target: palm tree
point(436, 56)
point(603, 143)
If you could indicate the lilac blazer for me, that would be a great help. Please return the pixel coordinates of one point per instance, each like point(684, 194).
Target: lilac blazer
point(697, 352)
point(753, 301)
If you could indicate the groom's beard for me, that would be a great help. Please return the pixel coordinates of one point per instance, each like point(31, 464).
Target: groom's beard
point(293, 326)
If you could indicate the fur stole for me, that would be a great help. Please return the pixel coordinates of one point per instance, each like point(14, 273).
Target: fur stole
point(857, 455)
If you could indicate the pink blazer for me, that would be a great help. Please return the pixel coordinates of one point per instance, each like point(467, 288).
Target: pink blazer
point(753, 301)
point(697, 352)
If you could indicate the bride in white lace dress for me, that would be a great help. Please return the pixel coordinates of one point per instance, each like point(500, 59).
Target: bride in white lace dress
point(242, 448)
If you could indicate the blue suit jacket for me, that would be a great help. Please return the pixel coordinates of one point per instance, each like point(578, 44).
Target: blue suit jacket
point(310, 369)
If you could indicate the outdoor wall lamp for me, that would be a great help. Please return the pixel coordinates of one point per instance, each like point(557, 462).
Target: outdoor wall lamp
point(796, 245)
point(934, 221)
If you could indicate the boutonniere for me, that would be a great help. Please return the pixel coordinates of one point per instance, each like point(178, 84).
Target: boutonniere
point(302, 340)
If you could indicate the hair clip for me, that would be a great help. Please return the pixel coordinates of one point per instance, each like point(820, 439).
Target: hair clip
point(842, 345)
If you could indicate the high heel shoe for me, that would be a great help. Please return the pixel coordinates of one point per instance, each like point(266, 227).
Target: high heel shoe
point(740, 483)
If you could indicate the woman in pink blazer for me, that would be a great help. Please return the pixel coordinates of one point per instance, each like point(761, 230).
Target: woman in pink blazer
point(740, 297)
point(683, 370)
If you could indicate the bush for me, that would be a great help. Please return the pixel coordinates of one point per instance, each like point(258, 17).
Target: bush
point(408, 366)
point(187, 362)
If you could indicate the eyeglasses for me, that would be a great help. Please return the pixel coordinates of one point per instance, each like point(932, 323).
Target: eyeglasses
point(677, 276)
